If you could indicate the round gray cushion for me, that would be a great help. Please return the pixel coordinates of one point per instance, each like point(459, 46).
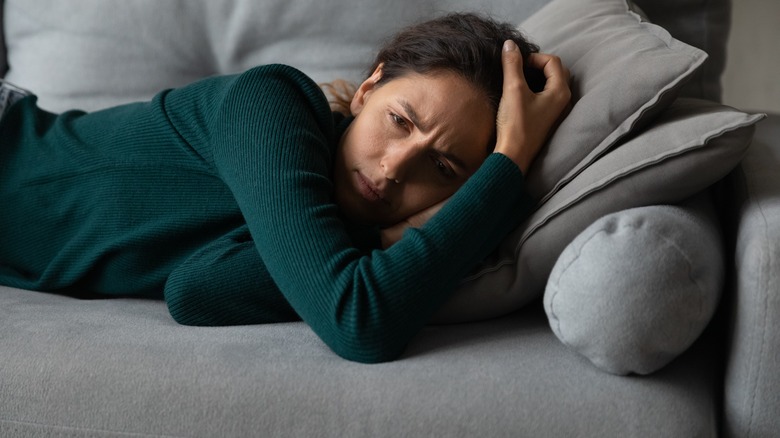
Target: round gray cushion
point(637, 287)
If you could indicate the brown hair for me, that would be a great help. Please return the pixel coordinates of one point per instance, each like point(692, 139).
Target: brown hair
point(465, 43)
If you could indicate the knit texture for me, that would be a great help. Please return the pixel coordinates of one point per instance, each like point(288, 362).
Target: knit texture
point(217, 196)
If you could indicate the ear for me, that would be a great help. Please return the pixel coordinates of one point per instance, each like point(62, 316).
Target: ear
point(365, 90)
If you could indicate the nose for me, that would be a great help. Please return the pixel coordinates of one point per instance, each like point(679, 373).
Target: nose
point(397, 161)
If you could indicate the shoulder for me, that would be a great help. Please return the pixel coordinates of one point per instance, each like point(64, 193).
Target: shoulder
point(282, 81)
point(281, 90)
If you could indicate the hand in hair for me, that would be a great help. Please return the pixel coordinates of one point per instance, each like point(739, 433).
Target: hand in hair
point(525, 119)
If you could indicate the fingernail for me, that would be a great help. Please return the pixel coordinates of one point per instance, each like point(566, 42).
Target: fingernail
point(509, 45)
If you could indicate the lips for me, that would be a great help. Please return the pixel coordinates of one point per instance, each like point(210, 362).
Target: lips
point(368, 190)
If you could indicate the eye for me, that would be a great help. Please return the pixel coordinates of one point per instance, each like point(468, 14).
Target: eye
point(442, 167)
point(398, 120)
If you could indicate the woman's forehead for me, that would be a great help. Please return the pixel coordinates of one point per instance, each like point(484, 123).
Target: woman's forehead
point(441, 97)
point(455, 114)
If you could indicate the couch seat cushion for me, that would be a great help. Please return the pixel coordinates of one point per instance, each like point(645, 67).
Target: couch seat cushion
point(111, 367)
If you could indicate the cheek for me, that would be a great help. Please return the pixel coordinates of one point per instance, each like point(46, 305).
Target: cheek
point(361, 142)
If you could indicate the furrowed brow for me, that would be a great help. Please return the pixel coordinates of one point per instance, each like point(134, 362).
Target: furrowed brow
point(413, 116)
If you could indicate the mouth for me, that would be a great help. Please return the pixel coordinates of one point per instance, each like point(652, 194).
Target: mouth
point(368, 190)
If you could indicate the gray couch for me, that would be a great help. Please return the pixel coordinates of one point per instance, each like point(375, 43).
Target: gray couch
point(122, 367)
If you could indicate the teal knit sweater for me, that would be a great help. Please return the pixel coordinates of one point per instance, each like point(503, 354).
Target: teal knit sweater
point(217, 196)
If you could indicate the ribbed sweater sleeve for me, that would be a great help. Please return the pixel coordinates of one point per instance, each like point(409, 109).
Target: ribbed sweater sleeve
point(272, 142)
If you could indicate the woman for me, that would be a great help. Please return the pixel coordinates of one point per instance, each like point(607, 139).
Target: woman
point(243, 199)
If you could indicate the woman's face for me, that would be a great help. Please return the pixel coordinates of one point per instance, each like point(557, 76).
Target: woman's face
point(414, 141)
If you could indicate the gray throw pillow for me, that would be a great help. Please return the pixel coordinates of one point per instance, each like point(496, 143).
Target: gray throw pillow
point(624, 71)
point(691, 146)
point(638, 287)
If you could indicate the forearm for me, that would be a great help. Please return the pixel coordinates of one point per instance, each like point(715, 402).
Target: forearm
point(226, 283)
point(368, 308)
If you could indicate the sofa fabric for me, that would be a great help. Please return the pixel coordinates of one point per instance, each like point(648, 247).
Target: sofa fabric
point(701, 23)
point(115, 51)
point(121, 367)
point(3, 58)
point(752, 385)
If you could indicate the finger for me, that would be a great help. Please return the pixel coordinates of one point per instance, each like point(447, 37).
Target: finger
point(555, 73)
point(512, 61)
point(541, 60)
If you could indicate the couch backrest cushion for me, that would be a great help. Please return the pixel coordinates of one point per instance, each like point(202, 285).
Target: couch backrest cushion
point(701, 23)
point(105, 52)
point(96, 53)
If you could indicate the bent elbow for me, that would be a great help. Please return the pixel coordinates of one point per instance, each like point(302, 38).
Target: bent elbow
point(366, 356)
point(365, 349)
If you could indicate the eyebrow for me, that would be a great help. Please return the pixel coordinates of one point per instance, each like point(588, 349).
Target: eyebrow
point(424, 128)
point(413, 116)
